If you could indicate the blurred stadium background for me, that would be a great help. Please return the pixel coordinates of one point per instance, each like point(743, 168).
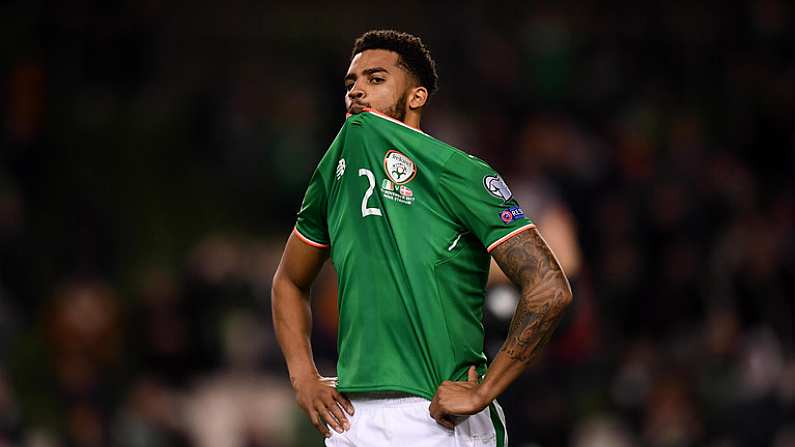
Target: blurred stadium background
point(153, 154)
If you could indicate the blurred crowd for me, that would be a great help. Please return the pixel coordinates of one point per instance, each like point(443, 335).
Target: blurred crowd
point(152, 158)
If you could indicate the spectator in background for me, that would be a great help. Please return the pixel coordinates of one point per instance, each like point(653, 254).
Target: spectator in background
point(85, 334)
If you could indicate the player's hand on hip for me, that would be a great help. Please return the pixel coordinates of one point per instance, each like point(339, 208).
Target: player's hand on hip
point(456, 399)
point(325, 406)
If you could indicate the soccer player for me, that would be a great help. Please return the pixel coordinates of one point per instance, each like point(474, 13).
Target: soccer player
point(409, 223)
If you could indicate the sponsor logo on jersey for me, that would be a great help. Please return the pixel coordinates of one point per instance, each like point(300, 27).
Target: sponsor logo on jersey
point(340, 168)
point(510, 214)
point(496, 186)
point(399, 168)
point(404, 191)
point(387, 185)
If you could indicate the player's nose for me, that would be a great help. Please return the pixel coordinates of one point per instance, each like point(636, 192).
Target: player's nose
point(355, 92)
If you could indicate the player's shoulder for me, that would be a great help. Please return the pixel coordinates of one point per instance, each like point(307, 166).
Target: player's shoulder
point(376, 118)
point(464, 159)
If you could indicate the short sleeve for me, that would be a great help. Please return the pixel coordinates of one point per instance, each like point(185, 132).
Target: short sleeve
point(480, 200)
point(311, 225)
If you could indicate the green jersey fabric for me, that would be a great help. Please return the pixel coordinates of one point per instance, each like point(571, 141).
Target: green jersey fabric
point(409, 221)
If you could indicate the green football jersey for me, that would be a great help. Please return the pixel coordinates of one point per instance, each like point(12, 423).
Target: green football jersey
point(410, 222)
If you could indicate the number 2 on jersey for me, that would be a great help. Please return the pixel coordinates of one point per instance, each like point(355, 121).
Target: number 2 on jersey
point(365, 210)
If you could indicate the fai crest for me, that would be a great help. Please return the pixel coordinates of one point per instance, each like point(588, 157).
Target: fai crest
point(495, 185)
point(399, 168)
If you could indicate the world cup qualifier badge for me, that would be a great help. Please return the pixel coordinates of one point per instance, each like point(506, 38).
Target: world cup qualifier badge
point(399, 168)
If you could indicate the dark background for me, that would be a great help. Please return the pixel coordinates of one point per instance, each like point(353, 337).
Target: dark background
point(152, 158)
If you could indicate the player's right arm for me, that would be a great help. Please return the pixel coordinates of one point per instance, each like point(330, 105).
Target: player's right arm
point(292, 321)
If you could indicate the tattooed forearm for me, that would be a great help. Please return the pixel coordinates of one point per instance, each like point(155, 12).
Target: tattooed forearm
point(529, 263)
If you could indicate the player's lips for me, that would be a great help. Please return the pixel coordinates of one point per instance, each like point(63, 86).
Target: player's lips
point(357, 107)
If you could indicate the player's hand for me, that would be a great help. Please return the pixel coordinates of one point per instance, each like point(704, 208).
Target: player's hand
point(456, 399)
point(319, 398)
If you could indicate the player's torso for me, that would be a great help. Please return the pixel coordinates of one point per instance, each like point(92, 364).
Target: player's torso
point(383, 201)
point(411, 278)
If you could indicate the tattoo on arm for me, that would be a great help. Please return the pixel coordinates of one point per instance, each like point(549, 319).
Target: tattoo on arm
point(529, 263)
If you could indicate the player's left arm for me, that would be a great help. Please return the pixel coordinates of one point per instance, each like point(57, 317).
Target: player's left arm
point(545, 293)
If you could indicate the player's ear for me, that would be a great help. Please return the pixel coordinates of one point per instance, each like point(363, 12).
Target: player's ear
point(418, 96)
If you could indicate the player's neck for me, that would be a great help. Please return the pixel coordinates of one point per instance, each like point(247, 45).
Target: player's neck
point(412, 120)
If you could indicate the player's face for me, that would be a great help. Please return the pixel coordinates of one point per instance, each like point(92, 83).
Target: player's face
point(375, 80)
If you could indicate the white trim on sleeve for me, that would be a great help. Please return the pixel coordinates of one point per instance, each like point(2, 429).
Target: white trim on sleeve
point(308, 241)
point(508, 236)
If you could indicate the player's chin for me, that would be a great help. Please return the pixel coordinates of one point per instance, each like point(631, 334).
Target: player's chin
point(357, 108)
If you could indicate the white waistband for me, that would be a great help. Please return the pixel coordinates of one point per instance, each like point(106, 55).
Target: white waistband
point(366, 402)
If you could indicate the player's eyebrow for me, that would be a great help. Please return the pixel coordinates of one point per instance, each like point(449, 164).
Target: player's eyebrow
point(366, 72)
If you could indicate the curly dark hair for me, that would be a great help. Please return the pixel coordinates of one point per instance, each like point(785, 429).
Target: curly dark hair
point(413, 55)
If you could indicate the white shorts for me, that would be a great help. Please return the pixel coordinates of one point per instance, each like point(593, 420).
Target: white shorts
point(407, 422)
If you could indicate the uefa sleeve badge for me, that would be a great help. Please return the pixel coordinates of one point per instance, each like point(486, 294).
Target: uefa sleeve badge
point(496, 186)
